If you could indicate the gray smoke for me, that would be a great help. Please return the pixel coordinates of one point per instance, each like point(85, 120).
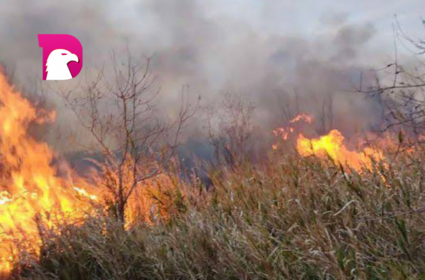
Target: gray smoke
point(194, 44)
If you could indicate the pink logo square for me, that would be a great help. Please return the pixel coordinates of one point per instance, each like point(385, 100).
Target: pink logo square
point(62, 56)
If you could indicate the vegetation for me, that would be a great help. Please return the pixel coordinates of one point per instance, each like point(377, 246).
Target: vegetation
point(305, 215)
point(293, 218)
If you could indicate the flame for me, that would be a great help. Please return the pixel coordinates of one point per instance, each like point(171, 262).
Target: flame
point(330, 145)
point(29, 186)
point(302, 117)
point(284, 133)
point(84, 193)
point(32, 194)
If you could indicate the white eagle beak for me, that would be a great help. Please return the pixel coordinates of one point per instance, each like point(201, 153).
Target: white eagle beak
point(74, 58)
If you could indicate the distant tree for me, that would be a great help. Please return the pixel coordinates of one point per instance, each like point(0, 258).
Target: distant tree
point(232, 131)
point(400, 89)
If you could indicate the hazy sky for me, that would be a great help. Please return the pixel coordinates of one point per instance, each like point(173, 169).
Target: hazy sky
point(305, 18)
point(311, 18)
point(104, 25)
point(265, 49)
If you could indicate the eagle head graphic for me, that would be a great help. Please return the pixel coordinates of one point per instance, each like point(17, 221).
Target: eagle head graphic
point(57, 64)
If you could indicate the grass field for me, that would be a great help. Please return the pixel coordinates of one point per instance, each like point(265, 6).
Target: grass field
point(293, 218)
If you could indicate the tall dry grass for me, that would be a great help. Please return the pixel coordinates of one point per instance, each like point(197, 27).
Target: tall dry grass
point(294, 218)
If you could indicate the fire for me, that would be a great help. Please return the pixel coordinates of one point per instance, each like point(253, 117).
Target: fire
point(330, 146)
point(29, 184)
point(34, 197)
point(83, 192)
point(302, 117)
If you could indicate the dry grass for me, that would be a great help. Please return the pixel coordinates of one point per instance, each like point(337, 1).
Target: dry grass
point(295, 219)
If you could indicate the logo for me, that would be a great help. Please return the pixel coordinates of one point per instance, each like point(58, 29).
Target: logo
point(62, 56)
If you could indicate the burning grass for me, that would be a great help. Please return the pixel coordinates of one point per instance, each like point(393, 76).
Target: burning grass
point(30, 189)
point(35, 199)
point(300, 218)
point(326, 212)
point(333, 146)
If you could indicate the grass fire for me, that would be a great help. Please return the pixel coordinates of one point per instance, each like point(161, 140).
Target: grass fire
point(31, 190)
point(331, 146)
point(212, 141)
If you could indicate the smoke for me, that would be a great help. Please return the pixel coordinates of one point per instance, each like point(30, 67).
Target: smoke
point(197, 44)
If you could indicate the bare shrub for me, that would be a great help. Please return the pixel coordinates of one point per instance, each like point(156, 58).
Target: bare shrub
point(119, 112)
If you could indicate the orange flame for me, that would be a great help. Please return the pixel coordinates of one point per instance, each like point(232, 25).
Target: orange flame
point(33, 196)
point(302, 117)
point(332, 145)
point(329, 146)
point(29, 186)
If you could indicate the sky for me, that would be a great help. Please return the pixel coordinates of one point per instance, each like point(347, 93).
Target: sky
point(131, 19)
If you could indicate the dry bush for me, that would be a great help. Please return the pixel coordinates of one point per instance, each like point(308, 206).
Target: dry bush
point(118, 112)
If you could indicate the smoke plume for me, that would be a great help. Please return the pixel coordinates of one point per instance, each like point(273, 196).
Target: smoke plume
point(193, 43)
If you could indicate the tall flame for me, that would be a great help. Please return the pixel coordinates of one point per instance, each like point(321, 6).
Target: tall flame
point(32, 194)
point(29, 186)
